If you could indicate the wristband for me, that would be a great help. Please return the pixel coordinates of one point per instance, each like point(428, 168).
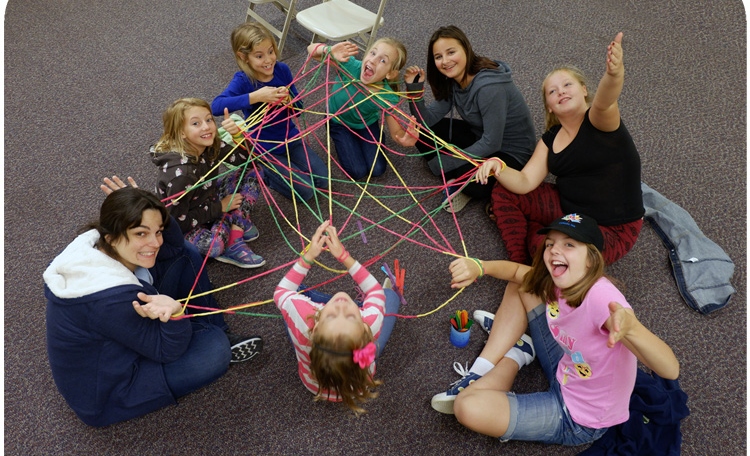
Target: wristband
point(502, 164)
point(343, 256)
point(309, 263)
point(481, 267)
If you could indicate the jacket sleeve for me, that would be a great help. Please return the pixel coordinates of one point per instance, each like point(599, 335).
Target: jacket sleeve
point(492, 104)
point(189, 216)
point(117, 320)
point(427, 115)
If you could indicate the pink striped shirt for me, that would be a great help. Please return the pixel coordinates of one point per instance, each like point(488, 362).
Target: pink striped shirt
point(298, 310)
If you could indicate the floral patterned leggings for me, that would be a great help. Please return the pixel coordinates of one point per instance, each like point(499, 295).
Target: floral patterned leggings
point(212, 239)
point(519, 217)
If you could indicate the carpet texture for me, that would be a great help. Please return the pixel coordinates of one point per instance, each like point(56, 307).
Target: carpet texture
point(85, 86)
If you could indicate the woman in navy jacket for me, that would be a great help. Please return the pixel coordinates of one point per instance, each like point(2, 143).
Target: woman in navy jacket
point(115, 351)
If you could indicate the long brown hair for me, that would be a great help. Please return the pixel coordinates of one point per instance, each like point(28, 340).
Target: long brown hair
point(442, 87)
point(538, 280)
point(333, 366)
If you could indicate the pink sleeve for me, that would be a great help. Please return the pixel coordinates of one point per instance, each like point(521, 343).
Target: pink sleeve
point(373, 306)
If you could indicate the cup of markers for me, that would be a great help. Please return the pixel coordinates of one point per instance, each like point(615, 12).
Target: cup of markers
point(460, 328)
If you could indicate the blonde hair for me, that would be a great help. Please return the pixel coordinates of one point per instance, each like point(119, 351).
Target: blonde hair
point(538, 280)
point(173, 119)
point(400, 60)
point(550, 119)
point(332, 364)
point(245, 38)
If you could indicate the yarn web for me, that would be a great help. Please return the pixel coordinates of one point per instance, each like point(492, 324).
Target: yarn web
point(403, 212)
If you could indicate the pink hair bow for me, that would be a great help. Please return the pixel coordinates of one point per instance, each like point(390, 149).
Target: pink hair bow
point(364, 356)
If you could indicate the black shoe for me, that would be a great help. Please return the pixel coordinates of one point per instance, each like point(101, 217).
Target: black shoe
point(244, 348)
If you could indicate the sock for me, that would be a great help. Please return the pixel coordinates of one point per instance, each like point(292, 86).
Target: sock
point(519, 356)
point(234, 234)
point(481, 366)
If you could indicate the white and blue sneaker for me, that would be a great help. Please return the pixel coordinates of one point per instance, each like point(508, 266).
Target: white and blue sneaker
point(443, 402)
point(526, 346)
point(485, 319)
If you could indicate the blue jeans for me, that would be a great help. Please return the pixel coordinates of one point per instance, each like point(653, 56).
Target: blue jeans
point(178, 264)
point(308, 170)
point(205, 360)
point(392, 304)
point(543, 417)
point(175, 272)
point(357, 149)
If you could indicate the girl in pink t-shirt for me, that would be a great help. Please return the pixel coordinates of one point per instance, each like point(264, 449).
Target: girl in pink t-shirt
point(583, 332)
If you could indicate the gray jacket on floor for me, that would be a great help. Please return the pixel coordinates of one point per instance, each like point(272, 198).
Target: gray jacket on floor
point(701, 268)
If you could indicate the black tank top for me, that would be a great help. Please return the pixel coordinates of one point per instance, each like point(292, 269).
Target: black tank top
point(598, 174)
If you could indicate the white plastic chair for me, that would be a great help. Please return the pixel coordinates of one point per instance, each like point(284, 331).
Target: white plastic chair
point(339, 20)
point(287, 8)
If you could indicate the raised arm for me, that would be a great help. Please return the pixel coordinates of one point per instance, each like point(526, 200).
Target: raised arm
point(624, 327)
point(605, 111)
point(340, 51)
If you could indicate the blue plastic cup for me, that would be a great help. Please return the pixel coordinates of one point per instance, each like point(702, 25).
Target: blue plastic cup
point(460, 339)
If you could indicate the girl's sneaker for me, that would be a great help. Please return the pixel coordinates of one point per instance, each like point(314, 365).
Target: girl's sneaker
point(241, 256)
point(485, 319)
point(251, 233)
point(443, 402)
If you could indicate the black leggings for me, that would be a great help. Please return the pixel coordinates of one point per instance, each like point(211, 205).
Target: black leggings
point(459, 134)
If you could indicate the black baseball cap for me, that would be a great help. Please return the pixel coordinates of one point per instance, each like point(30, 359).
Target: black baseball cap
point(580, 227)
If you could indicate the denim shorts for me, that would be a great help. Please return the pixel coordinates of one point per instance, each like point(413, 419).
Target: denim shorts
point(543, 417)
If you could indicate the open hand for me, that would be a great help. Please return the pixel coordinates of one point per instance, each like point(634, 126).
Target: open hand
point(114, 184)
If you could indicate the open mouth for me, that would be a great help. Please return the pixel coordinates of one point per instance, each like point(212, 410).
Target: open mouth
point(558, 268)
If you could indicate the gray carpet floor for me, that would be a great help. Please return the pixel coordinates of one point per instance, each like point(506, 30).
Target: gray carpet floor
point(85, 85)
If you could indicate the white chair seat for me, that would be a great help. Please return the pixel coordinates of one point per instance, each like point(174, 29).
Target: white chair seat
point(339, 20)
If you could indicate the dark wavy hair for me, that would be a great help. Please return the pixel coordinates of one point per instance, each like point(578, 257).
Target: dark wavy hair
point(122, 210)
point(441, 86)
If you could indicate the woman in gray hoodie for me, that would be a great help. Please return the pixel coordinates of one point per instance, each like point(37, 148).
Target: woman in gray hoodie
point(495, 120)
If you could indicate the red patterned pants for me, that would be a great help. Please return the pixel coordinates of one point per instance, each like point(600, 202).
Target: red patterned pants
point(519, 217)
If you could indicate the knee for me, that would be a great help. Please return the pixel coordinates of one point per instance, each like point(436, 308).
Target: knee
point(463, 408)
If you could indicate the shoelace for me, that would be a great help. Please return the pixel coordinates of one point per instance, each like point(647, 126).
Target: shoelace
point(460, 370)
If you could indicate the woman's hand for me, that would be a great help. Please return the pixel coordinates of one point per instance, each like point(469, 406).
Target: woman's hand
point(411, 73)
point(231, 202)
point(464, 272)
point(159, 306)
point(114, 184)
point(489, 168)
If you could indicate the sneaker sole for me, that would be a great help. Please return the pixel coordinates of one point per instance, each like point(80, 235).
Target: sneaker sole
point(443, 404)
point(238, 264)
point(459, 202)
point(246, 350)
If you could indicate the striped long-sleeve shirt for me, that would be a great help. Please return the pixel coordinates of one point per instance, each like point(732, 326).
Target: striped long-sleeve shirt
point(298, 311)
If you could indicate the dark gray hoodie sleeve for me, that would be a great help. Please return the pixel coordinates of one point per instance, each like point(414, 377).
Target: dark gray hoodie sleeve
point(426, 115)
